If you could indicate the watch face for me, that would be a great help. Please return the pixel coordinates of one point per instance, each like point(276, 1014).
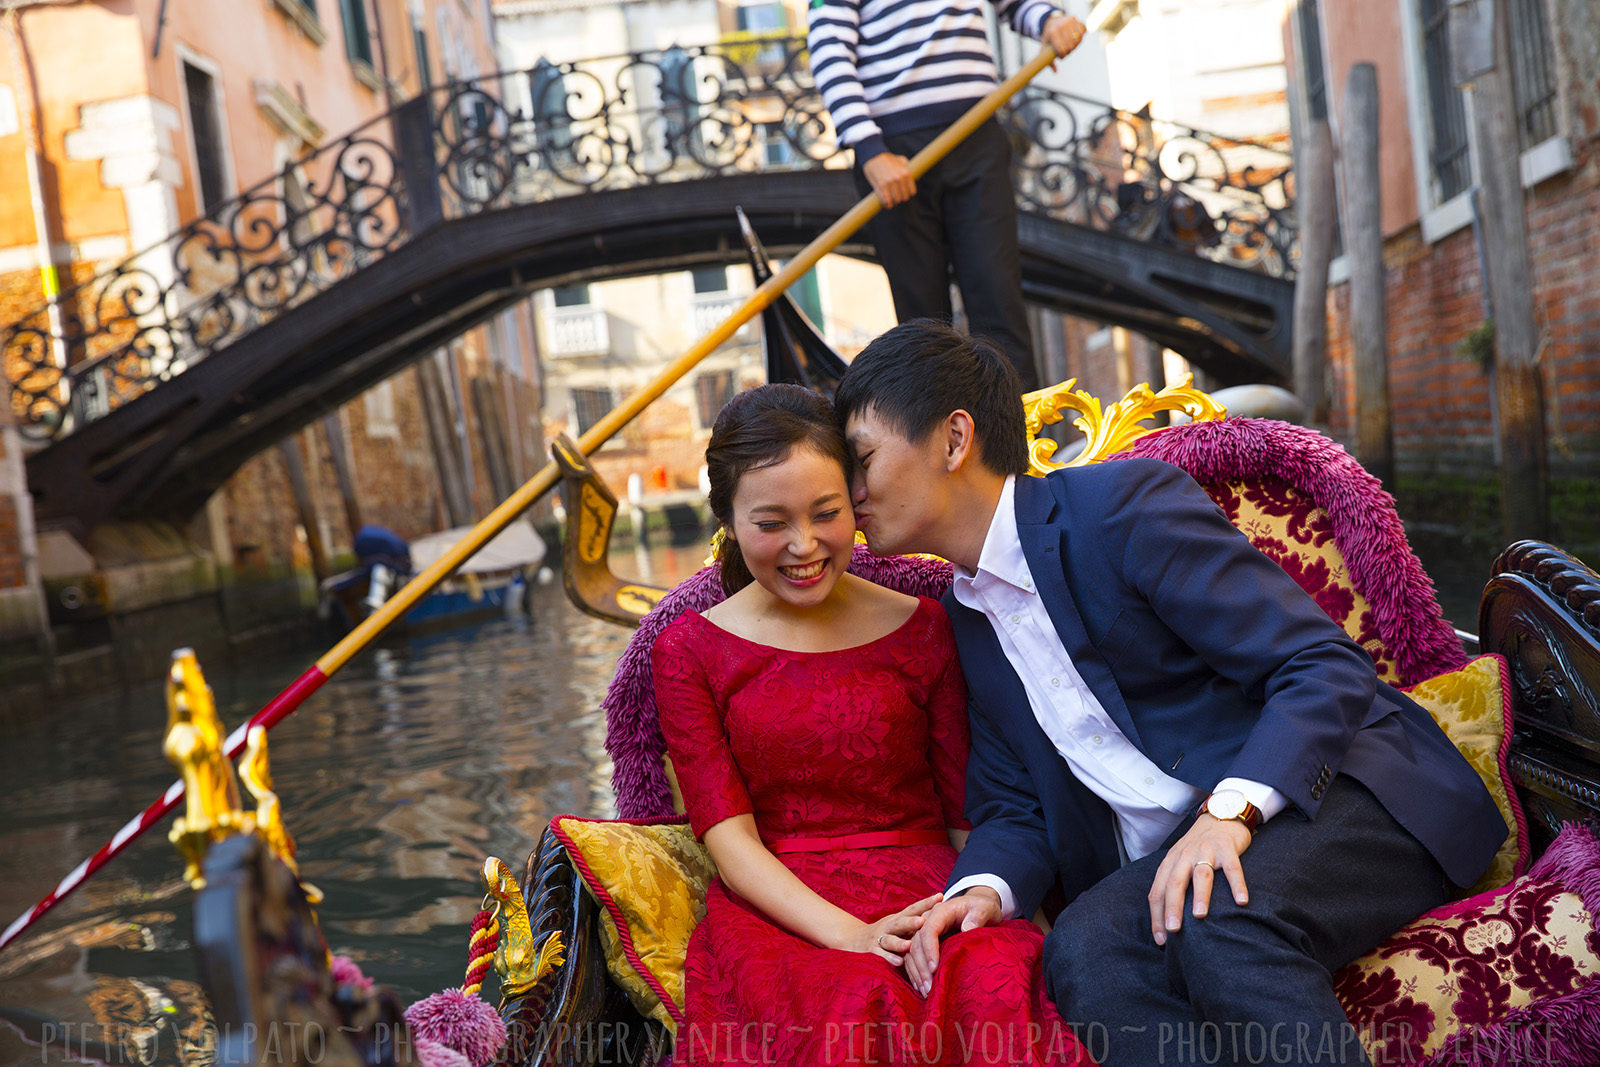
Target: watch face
point(1227, 804)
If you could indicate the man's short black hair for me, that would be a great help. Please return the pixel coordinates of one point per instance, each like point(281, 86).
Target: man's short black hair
point(916, 374)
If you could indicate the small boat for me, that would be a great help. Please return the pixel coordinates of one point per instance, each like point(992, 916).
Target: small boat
point(492, 581)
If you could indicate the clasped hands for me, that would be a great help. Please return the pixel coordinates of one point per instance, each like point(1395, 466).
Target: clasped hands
point(890, 936)
point(889, 174)
point(1209, 846)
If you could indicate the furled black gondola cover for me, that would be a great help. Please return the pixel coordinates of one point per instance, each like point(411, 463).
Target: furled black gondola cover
point(795, 351)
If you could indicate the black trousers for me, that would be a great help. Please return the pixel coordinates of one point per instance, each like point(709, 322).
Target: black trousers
point(962, 220)
point(1247, 984)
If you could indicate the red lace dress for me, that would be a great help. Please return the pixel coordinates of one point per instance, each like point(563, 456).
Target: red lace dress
point(859, 740)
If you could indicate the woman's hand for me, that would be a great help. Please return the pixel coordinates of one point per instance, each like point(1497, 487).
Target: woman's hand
point(890, 936)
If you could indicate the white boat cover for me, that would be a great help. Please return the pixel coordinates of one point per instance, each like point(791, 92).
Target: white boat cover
point(518, 545)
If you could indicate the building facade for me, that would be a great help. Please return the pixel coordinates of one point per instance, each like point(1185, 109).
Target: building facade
point(1439, 318)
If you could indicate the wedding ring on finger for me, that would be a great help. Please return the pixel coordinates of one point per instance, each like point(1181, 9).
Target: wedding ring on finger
point(1207, 866)
point(880, 942)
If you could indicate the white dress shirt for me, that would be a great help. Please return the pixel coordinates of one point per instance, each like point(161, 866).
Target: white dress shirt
point(1148, 803)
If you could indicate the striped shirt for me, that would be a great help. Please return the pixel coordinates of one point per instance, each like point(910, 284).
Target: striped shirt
point(888, 66)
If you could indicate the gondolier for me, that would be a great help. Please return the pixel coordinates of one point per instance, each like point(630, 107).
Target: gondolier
point(893, 74)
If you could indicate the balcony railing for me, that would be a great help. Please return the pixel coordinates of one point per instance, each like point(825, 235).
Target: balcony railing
point(707, 311)
point(577, 331)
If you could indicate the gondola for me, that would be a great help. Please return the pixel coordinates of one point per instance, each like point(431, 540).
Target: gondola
point(553, 971)
point(494, 581)
point(561, 946)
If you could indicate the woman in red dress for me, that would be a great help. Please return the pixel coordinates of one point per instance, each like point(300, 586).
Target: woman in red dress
point(817, 725)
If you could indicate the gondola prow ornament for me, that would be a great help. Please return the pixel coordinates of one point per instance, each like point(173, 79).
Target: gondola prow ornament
point(194, 744)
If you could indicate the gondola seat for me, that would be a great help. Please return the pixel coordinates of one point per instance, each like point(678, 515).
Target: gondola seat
point(1305, 503)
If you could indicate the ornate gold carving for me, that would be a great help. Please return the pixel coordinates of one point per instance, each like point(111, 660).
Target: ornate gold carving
point(515, 959)
point(1112, 431)
point(194, 744)
point(256, 775)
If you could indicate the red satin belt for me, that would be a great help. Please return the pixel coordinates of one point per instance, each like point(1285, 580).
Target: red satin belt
point(877, 839)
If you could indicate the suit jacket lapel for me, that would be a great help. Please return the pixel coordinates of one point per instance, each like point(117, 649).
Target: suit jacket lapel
point(1039, 521)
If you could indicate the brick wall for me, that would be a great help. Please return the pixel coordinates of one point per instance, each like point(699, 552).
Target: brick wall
point(1439, 389)
point(21, 294)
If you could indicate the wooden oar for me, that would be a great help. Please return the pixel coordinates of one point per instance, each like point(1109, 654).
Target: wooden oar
point(403, 601)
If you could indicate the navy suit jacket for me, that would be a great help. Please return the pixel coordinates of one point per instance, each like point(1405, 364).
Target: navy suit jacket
point(1212, 662)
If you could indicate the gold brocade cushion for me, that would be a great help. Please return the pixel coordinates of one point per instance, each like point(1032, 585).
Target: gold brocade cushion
point(650, 878)
point(1508, 976)
point(1298, 536)
point(1473, 706)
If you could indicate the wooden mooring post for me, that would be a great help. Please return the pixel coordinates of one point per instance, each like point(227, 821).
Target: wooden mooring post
point(1318, 208)
point(1481, 52)
point(1369, 339)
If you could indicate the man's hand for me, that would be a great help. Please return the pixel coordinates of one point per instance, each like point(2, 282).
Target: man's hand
point(1062, 33)
point(974, 908)
point(891, 178)
point(1211, 845)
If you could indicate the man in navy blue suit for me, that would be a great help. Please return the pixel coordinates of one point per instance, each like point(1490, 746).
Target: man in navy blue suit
point(1163, 723)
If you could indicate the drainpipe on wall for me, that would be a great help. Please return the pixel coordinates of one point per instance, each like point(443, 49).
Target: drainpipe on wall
point(28, 107)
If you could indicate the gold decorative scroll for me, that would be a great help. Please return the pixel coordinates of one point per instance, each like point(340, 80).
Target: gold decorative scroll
point(194, 744)
point(515, 960)
point(1110, 431)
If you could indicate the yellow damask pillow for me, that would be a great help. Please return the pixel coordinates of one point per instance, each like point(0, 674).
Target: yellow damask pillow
point(1473, 706)
point(650, 878)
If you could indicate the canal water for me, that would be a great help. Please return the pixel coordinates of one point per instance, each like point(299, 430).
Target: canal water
point(409, 767)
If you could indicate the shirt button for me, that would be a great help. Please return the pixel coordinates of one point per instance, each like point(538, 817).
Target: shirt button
point(1055, 681)
point(1016, 619)
point(1149, 780)
point(1099, 740)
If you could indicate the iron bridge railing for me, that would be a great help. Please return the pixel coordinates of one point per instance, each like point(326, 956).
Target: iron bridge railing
point(572, 128)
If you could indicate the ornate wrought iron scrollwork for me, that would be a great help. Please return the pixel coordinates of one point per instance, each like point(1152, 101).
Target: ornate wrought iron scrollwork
point(1153, 180)
point(743, 105)
point(244, 263)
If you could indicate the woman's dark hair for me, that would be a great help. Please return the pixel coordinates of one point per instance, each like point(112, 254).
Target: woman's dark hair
point(757, 429)
point(916, 374)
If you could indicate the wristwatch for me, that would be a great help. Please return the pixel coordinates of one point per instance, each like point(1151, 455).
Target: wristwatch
point(1230, 804)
